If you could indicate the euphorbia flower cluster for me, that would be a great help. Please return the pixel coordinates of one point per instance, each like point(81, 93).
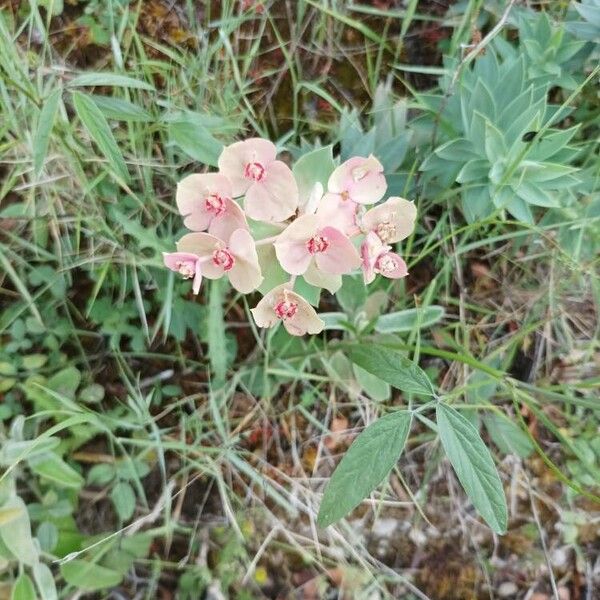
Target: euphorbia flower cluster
point(322, 237)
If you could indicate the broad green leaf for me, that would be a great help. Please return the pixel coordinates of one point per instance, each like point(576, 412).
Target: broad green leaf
point(121, 110)
point(23, 589)
point(196, 141)
point(99, 130)
point(374, 387)
point(123, 498)
point(473, 465)
point(408, 320)
point(88, 576)
point(334, 320)
point(313, 167)
point(365, 465)
point(13, 451)
point(43, 130)
point(508, 436)
point(65, 382)
point(392, 367)
point(54, 468)
point(16, 533)
point(92, 394)
point(109, 79)
point(495, 147)
point(44, 581)
point(9, 514)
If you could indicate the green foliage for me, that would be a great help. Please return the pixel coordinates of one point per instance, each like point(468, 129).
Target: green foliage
point(365, 465)
point(499, 166)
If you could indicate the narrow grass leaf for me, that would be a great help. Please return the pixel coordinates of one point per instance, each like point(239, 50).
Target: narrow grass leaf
point(216, 331)
point(392, 367)
point(43, 130)
point(473, 465)
point(367, 463)
point(99, 130)
point(109, 79)
point(121, 110)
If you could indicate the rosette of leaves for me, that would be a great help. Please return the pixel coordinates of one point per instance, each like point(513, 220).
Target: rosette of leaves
point(586, 20)
point(552, 55)
point(494, 150)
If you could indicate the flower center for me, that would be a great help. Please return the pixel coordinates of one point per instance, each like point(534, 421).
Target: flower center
point(359, 173)
point(317, 244)
point(285, 309)
point(223, 258)
point(386, 231)
point(386, 264)
point(215, 204)
point(345, 195)
point(254, 171)
point(186, 268)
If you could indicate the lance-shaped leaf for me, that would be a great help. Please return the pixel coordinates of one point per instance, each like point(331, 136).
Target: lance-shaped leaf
point(367, 463)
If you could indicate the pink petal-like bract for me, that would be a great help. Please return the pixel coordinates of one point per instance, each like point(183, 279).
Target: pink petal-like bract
point(245, 162)
point(187, 265)
point(283, 304)
point(359, 179)
point(205, 201)
point(235, 258)
point(378, 258)
point(339, 256)
point(392, 221)
point(245, 275)
point(339, 212)
point(269, 184)
point(291, 246)
point(304, 241)
point(275, 198)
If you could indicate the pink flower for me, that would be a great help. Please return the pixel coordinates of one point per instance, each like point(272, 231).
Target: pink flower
point(270, 188)
point(205, 202)
point(187, 265)
point(339, 212)
point(283, 304)
point(307, 244)
point(359, 179)
point(392, 221)
point(377, 258)
point(237, 258)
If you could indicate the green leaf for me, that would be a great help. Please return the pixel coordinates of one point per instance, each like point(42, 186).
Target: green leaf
point(392, 367)
point(88, 576)
point(109, 79)
point(99, 130)
point(216, 331)
point(92, 394)
point(16, 533)
point(408, 320)
point(473, 465)
point(196, 141)
point(121, 110)
point(44, 581)
point(123, 498)
point(508, 436)
point(23, 589)
point(65, 382)
point(313, 167)
point(374, 387)
point(495, 148)
point(43, 130)
point(54, 468)
point(367, 463)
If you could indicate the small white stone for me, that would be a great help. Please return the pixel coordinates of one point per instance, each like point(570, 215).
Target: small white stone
point(507, 589)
